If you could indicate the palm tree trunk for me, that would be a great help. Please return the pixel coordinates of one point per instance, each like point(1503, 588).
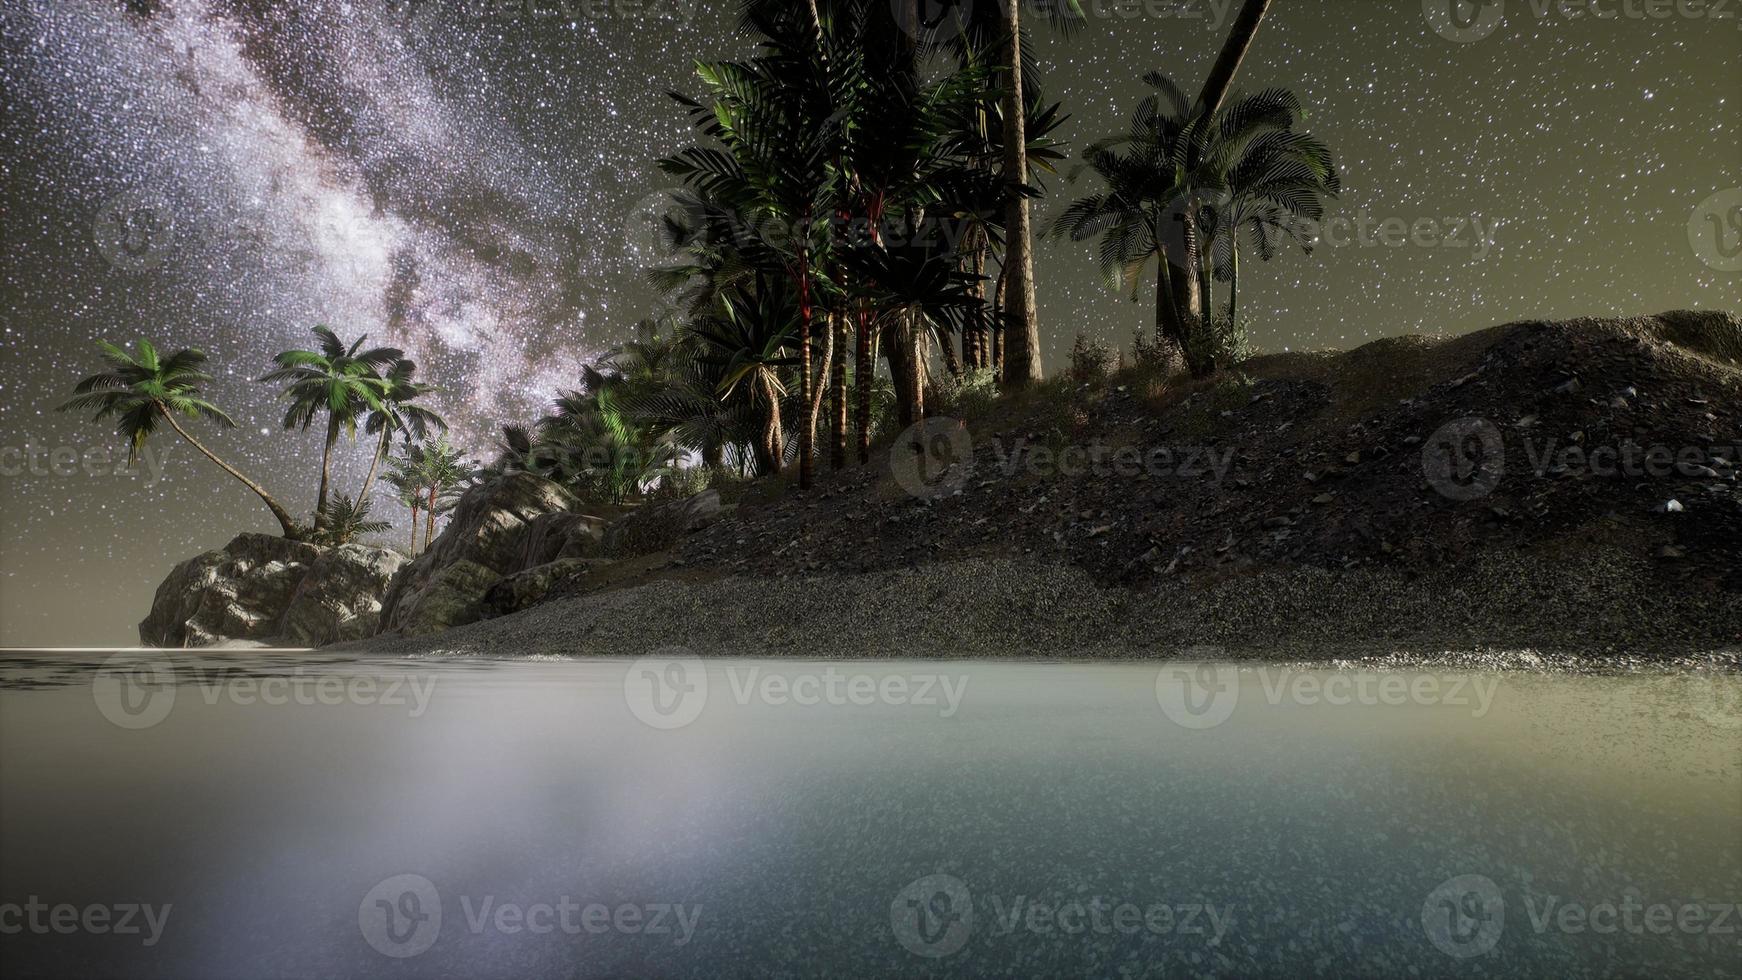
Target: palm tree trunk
point(326, 470)
point(429, 519)
point(974, 334)
point(1022, 354)
point(1234, 284)
point(838, 395)
point(278, 511)
point(1167, 324)
point(998, 298)
point(374, 464)
point(864, 371)
point(415, 510)
point(1240, 36)
point(776, 444)
point(807, 462)
point(916, 366)
point(814, 409)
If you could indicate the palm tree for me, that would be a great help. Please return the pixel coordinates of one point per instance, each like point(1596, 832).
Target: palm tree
point(341, 381)
point(345, 521)
point(1022, 328)
point(1277, 180)
point(431, 474)
point(139, 390)
point(1243, 169)
point(745, 343)
point(397, 415)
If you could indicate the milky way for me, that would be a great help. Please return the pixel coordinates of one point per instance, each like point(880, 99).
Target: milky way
point(470, 180)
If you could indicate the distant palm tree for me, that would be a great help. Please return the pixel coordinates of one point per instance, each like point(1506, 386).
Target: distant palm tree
point(397, 415)
point(139, 390)
point(345, 521)
point(1244, 170)
point(343, 382)
point(745, 343)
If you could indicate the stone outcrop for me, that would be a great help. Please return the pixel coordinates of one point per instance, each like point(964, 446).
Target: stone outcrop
point(270, 589)
point(657, 527)
point(501, 527)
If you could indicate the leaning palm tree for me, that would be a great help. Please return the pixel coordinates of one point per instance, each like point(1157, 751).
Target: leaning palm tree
point(343, 382)
point(140, 390)
point(397, 415)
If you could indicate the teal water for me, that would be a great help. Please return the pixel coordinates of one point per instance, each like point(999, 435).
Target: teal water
point(271, 815)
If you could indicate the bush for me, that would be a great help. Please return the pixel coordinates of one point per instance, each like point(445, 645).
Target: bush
point(970, 395)
point(1091, 360)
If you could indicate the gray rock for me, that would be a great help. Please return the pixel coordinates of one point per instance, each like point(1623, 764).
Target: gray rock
point(528, 587)
point(269, 589)
point(656, 527)
point(499, 527)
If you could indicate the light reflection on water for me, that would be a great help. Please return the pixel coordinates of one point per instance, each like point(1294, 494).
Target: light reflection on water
point(1316, 821)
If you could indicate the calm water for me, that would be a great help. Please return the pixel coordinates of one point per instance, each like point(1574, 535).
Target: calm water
point(253, 815)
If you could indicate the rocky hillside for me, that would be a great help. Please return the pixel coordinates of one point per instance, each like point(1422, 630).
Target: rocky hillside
point(1559, 485)
point(1407, 453)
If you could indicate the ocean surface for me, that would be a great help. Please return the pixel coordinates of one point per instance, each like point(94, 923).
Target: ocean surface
point(263, 814)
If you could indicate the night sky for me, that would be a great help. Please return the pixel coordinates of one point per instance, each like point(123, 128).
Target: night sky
point(469, 181)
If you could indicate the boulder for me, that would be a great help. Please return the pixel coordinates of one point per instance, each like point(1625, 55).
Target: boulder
point(269, 589)
point(530, 586)
point(499, 527)
point(657, 527)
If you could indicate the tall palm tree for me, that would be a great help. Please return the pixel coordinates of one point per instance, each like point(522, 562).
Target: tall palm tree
point(398, 415)
point(1022, 327)
point(343, 382)
point(140, 390)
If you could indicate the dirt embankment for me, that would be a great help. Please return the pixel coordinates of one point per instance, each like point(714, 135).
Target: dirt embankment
point(1564, 485)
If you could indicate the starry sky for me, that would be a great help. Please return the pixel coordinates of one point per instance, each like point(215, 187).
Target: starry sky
point(473, 181)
